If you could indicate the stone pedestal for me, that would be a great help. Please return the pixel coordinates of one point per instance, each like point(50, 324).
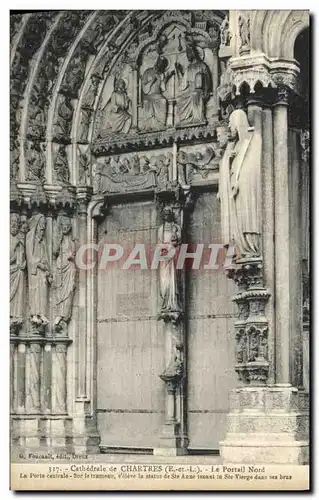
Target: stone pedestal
point(266, 425)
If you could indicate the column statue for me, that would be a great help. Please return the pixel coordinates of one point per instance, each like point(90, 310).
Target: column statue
point(39, 273)
point(169, 235)
point(17, 271)
point(240, 191)
point(64, 252)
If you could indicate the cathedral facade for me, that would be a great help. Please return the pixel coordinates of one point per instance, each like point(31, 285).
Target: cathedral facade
point(184, 130)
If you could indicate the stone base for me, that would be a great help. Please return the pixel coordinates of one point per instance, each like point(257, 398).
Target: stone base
point(50, 433)
point(266, 425)
point(53, 434)
point(170, 442)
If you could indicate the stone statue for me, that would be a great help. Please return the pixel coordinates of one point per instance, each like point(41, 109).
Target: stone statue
point(244, 32)
point(154, 81)
point(116, 113)
point(17, 271)
point(169, 234)
point(240, 192)
point(225, 35)
point(195, 84)
point(64, 252)
point(39, 273)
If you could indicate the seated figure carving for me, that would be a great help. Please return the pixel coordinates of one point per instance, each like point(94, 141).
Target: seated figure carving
point(117, 112)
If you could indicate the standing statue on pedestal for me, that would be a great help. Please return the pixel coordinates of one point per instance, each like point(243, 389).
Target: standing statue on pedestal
point(154, 81)
point(17, 272)
point(117, 112)
point(39, 273)
point(169, 235)
point(240, 193)
point(244, 32)
point(65, 273)
point(195, 85)
point(225, 35)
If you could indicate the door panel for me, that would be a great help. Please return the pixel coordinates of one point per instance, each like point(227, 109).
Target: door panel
point(210, 334)
point(130, 398)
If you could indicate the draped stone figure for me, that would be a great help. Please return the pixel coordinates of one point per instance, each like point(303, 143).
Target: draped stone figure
point(195, 85)
point(65, 272)
point(39, 273)
point(240, 192)
point(17, 271)
point(154, 81)
point(116, 114)
point(169, 234)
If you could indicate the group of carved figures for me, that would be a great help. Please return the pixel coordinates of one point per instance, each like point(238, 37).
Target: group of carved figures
point(30, 268)
point(194, 87)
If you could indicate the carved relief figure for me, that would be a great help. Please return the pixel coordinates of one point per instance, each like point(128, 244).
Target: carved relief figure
point(154, 81)
point(17, 270)
point(240, 193)
point(61, 167)
point(64, 252)
point(39, 273)
point(65, 114)
point(117, 112)
point(169, 234)
point(36, 162)
point(244, 32)
point(225, 34)
point(195, 85)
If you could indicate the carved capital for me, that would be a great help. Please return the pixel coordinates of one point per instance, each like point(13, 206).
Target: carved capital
point(83, 197)
point(282, 97)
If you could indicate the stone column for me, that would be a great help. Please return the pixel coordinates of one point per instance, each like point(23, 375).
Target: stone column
point(86, 438)
point(59, 378)
point(13, 377)
point(83, 195)
point(21, 378)
point(33, 377)
point(282, 243)
point(134, 96)
point(47, 378)
point(267, 203)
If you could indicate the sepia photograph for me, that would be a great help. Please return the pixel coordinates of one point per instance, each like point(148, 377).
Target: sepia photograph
point(159, 250)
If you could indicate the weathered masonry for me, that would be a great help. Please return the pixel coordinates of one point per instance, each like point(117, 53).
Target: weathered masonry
point(172, 127)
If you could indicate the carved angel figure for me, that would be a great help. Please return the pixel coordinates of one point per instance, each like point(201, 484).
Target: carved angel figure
point(39, 272)
point(17, 270)
point(117, 112)
point(64, 252)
